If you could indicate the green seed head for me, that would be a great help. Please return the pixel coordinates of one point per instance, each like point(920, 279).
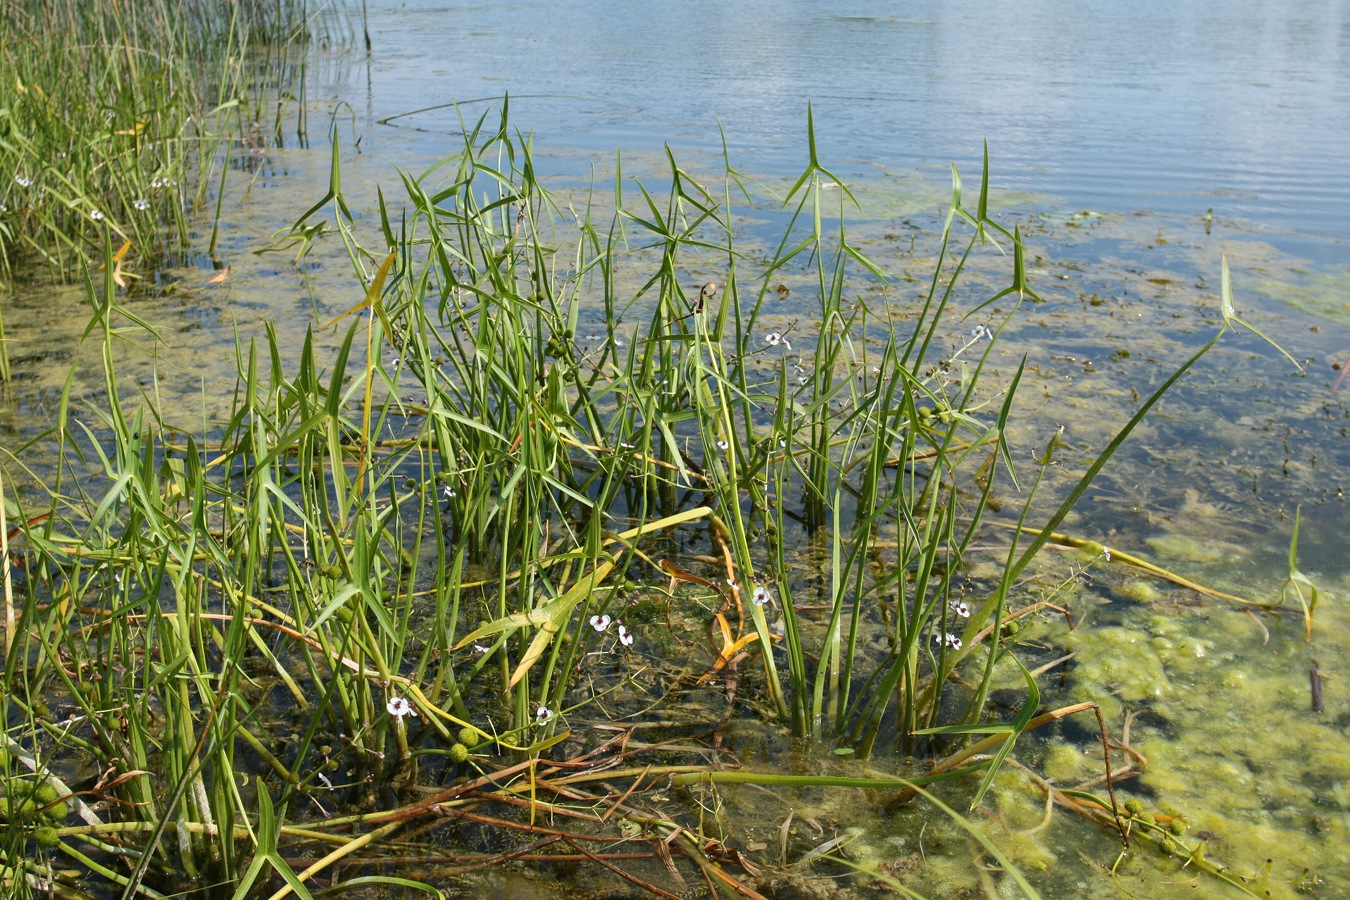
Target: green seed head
point(45, 794)
point(47, 837)
point(459, 753)
point(468, 736)
point(1134, 806)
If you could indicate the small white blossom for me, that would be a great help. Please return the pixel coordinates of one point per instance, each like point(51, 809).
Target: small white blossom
point(399, 707)
point(141, 204)
point(600, 623)
point(723, 445)
point(448, 492)
point(760, 595)
point(23, 182)
point(625, 636)
point(960, 608)
point(542, 715)
point(95, 214)
point(980, 332)
point(774, 338)
point(950, 638)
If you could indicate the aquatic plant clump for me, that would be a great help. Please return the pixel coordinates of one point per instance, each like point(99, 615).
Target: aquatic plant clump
point(576, 496)
point(133, 145)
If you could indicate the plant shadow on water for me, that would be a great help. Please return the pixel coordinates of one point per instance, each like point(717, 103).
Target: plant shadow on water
point(654, 537)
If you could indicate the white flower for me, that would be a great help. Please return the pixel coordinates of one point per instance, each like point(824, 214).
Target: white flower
point(161, 183)
point(23, 182)
point(951, 639)
point(399, 707)
point(600, 623)
point(960, 608)
point(722, 445)
point(542, 715)
point(774, 338)
point(448, 492)
point(760, 595)
point(980, 332)
point(95, 215)
point(141, 204)
point(625, 636)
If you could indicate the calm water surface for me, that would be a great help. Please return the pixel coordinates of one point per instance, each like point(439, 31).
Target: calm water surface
point(1171, 107)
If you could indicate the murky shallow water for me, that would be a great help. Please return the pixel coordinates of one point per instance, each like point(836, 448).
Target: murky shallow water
point(1207, 487)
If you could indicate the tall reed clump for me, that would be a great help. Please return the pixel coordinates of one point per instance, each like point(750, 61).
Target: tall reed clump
point(399, 571)
point(120, 115)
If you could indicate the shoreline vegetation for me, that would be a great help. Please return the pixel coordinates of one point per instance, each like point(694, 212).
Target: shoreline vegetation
point(122, 117)
point(491, 584)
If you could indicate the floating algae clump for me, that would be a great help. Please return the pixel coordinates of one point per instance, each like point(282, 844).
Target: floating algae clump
point(1139, 591)
point(1119, 661)
point(1180, 547)
point(1068, 764)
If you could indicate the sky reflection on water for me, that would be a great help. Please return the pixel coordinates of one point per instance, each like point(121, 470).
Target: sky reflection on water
point(1172, 107)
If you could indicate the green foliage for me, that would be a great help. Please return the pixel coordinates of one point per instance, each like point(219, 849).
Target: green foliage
point(391, 555)
point(129, 146)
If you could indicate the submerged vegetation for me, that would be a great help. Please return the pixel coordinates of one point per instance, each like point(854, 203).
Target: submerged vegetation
point(579, 495)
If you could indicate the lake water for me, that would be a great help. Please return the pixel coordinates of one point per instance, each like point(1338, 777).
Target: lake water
point(1145, 115)
point(1170, 107)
